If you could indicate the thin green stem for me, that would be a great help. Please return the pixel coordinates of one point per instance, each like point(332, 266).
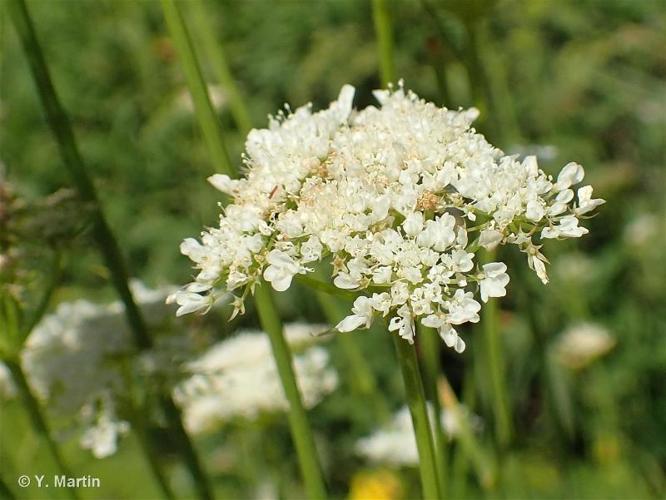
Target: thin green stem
point(140, 426)
point(218, 59)
point(414, 392)
point(37, 417)
point(382, 20)
point(325, 287)
point(300, 427)
point(430, 344)
point(208, 120)
point(143, 435)
point(185, 446)
point(106, 241)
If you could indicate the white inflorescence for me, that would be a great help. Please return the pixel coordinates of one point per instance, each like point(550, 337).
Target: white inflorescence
point(74, 362)
point(398, 197)
point(238, 378)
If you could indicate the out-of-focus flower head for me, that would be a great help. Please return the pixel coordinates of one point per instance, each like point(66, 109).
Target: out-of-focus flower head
point(76, 360)
point(398, 197)
point(395, 444)
point(642, 230)
point(581, 344)
point(574, 267)
point(237, 378)
point(102, 427)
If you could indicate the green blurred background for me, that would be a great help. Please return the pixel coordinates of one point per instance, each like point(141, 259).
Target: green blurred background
point(566, 80)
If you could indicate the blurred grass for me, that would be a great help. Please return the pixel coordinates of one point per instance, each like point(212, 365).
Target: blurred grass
point(584, 77)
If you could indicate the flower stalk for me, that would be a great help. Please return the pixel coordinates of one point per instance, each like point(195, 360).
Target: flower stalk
point(414, 391)
point(430, 344)
point(406, 352)
point(102, 233)
point(218, 59)
point(300, 427)
point(208, 120)
point(142, 432)
point(382, 20)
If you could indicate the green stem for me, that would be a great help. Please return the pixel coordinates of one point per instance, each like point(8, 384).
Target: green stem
point(138, 421)
point(106, 241)
point(430, 349)
point(417, 408)
point(145, 442)
point(186, 447)
point(218, 59)
point(496, 367)
point(300, 427)
point(37, 417)
point(495, 363)
point(325, 287)
point(206, 115)
point(382, 20)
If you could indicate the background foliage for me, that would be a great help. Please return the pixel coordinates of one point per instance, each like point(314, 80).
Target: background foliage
point(567, 80)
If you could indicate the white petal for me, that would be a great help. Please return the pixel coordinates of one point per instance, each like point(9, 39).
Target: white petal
point(350, 323)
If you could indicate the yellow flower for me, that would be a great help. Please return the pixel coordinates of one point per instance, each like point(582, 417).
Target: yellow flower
point(375, 485)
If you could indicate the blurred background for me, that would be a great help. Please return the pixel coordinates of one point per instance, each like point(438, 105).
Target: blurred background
point(584, 358)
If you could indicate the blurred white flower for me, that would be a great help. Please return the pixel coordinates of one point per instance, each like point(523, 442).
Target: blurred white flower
point(574, 267)
point(399, 196)
point(395, 443)
point(579, 345)
point(73, 359)
point(103, 429)
point(641, 230)
point(545, 152)
point(237, 378)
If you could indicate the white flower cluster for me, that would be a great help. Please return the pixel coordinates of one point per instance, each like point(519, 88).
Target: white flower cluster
point(102, 427)
point(74, 362)
point(395, 444)
point(238, 378)
point(398, 197)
